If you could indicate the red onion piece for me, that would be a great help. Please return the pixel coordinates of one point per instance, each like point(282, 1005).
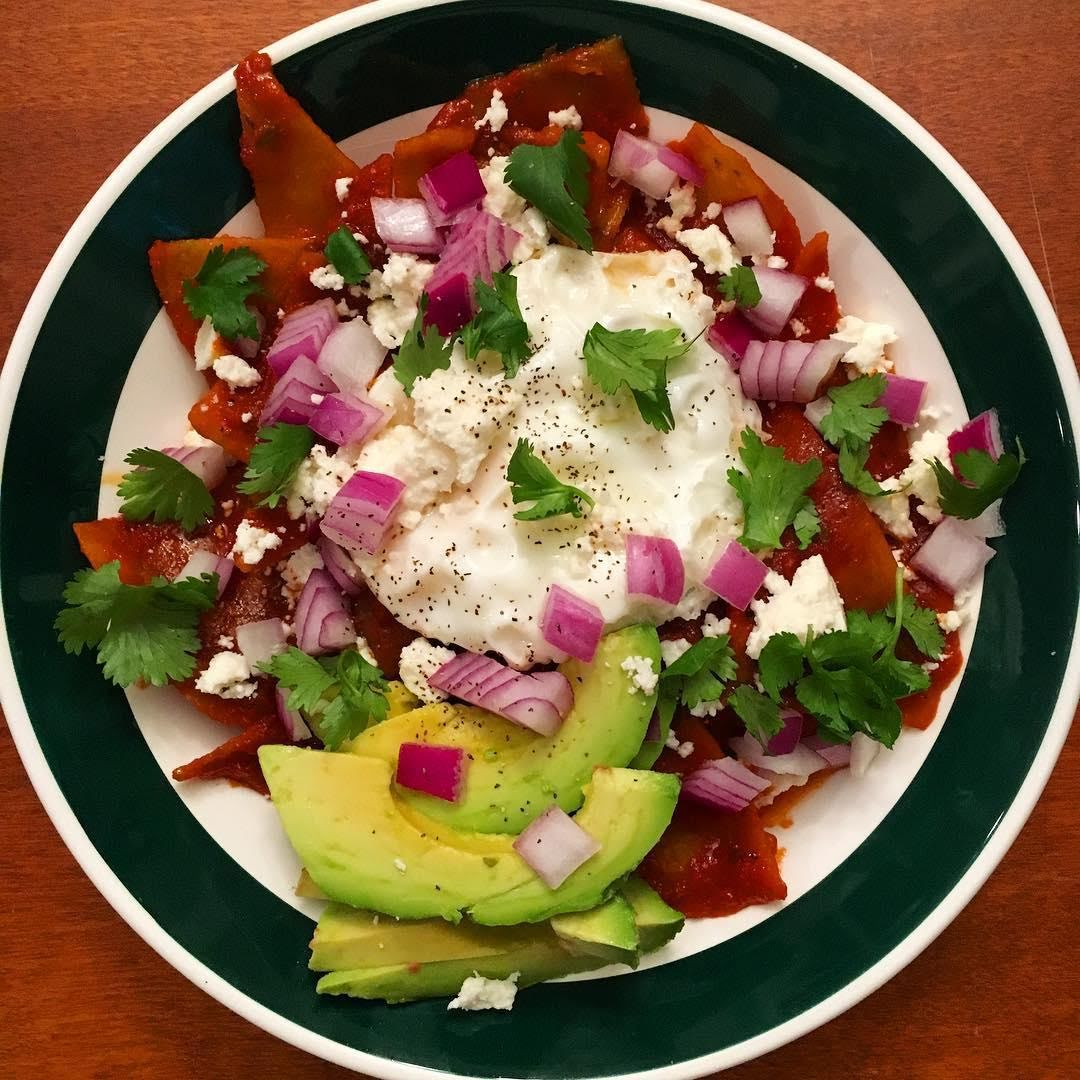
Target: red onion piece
point(290, 719)
point(290, 400)
point(323, 622)
point(340, 566)
point(982, 433)
point(681, 165)
point(730, 336)
point(450, 304)
point(768, 374)
point(555, 845)
point(360, 514)
point(303, 333)
point(749, 369)
point(736, 575)
point(406, 225)
point(817, 410)
point(654, 567)
point(794, 356)
point(749, 227)
point(863, 751)
point(724, 784)
point(206, 562)
point(248, 347)
point(434, 770)
point(206, 462)
point(817, 368)
point(902, 399)
point(571, 624)
point(835, 755)
point(799, 761)
point(989, 523)
point(453, 185)
point(952, 556)
point(346, 420)
point(637, 161)
point(351, 357)
point(781, 292)
point(787, 738)
point(258, 641)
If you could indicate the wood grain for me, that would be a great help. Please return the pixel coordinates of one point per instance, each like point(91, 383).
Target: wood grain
point(996, 997)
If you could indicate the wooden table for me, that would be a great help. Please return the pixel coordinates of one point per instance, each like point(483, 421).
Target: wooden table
point(996, 997)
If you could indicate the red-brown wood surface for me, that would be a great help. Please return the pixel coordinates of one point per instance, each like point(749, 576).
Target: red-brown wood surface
point(996, 996)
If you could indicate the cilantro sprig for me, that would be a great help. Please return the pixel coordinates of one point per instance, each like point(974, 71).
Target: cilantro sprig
point(531, 480)
point(637, 359)
point(555, 179)
point(741, 285)
point(339, 695)
point(422, 353)
point(773, 492)
point(982, 480)
point(758, 712)
point(275, 457)
point(851, 423)
point(142, 633)
point(498, 324)
point(346, 256)
point(220, 289)
point(161, 488)
point(921, 625)
point(700, 674)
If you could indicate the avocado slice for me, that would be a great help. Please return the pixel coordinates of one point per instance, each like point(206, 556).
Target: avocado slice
point(657, 922)
point(399, 699)
point(608, 932)
point(363, 847)
point(514, 774)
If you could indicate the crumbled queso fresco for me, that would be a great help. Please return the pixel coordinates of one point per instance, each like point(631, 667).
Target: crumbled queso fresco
point(253, 542)
point(810, 600)
point(420, 659)
point(642, 676)
point(479, 993)
point(228, 675)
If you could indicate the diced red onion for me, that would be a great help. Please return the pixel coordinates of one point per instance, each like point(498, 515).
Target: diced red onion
point(989, 523)
point(290, 400)
point(799, 761)
point(303, 332)
point(768, 374)
point(248, 347)
point(836, 755)
point(570, 624)
point(952, 556)
point(982, 433)
point(781, 292)
point(818, 368)
point(434, 770)
point(452, 186)
point(555, 845)
point(206, 562)
point(903, 399)
point(323, 621)
point(290, 719)
point(539, 701)
point(749, 227)
point(748, 370)
point(863, 751)
point(206, 462)
point(681, 165)
point(654, 567)
point(817, 410)
point(258, 641)
point(787, 738)
point(352, 356)
point(736, 575)
point(637, 161)
point(787, 370)
point(406, 225)
point(340, 566)
point(724, 784)
point(360, 514)
point(346, 420)
point(730, 336)
point(450, 304)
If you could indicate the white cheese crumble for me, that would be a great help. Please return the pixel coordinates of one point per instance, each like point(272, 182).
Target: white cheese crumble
point(208, 345)
point(642, 676)
point(776, 262)
point(496, 115)
point(364, 649)
point(711, 626)
point(395, 292)
point(245, 418)
point(809, 601)
point(712, 211)
point(799, 328)
point(682, 203)
point(327, 278)
point(194, 439)
point(717, 253)
point(318, 479)
point(479, 993)
point(868, 341)
point(670, 651)
point(705, 708)
point(918, 478)
point(566, 118)
point(252, 542)
point(297, 569)
point(236, 371)
point(683, 749)
point(826, 283)
point(893, 510)
point(341, 187)
point(228, 675)
point(420, 659)
point(507, 205)
point(950, 621)
point(225, 642)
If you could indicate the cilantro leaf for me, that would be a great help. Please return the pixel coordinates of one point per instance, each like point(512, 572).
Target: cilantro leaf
point(854, 471)
point(423, 352)
point(339, 695)
point(275, 457)
point(143, 633)
point(760, 714)
point(773, 494)
point(346, 256)
point(853, 415)
point(498, 324)
point(555, 179)
point(780, 663)
point(221, 287)
point(638, 359)
point(701, 672)
point(161, 488)
point(741, 285)
point(921, 625)
point(531, 479)
point(987, 480)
